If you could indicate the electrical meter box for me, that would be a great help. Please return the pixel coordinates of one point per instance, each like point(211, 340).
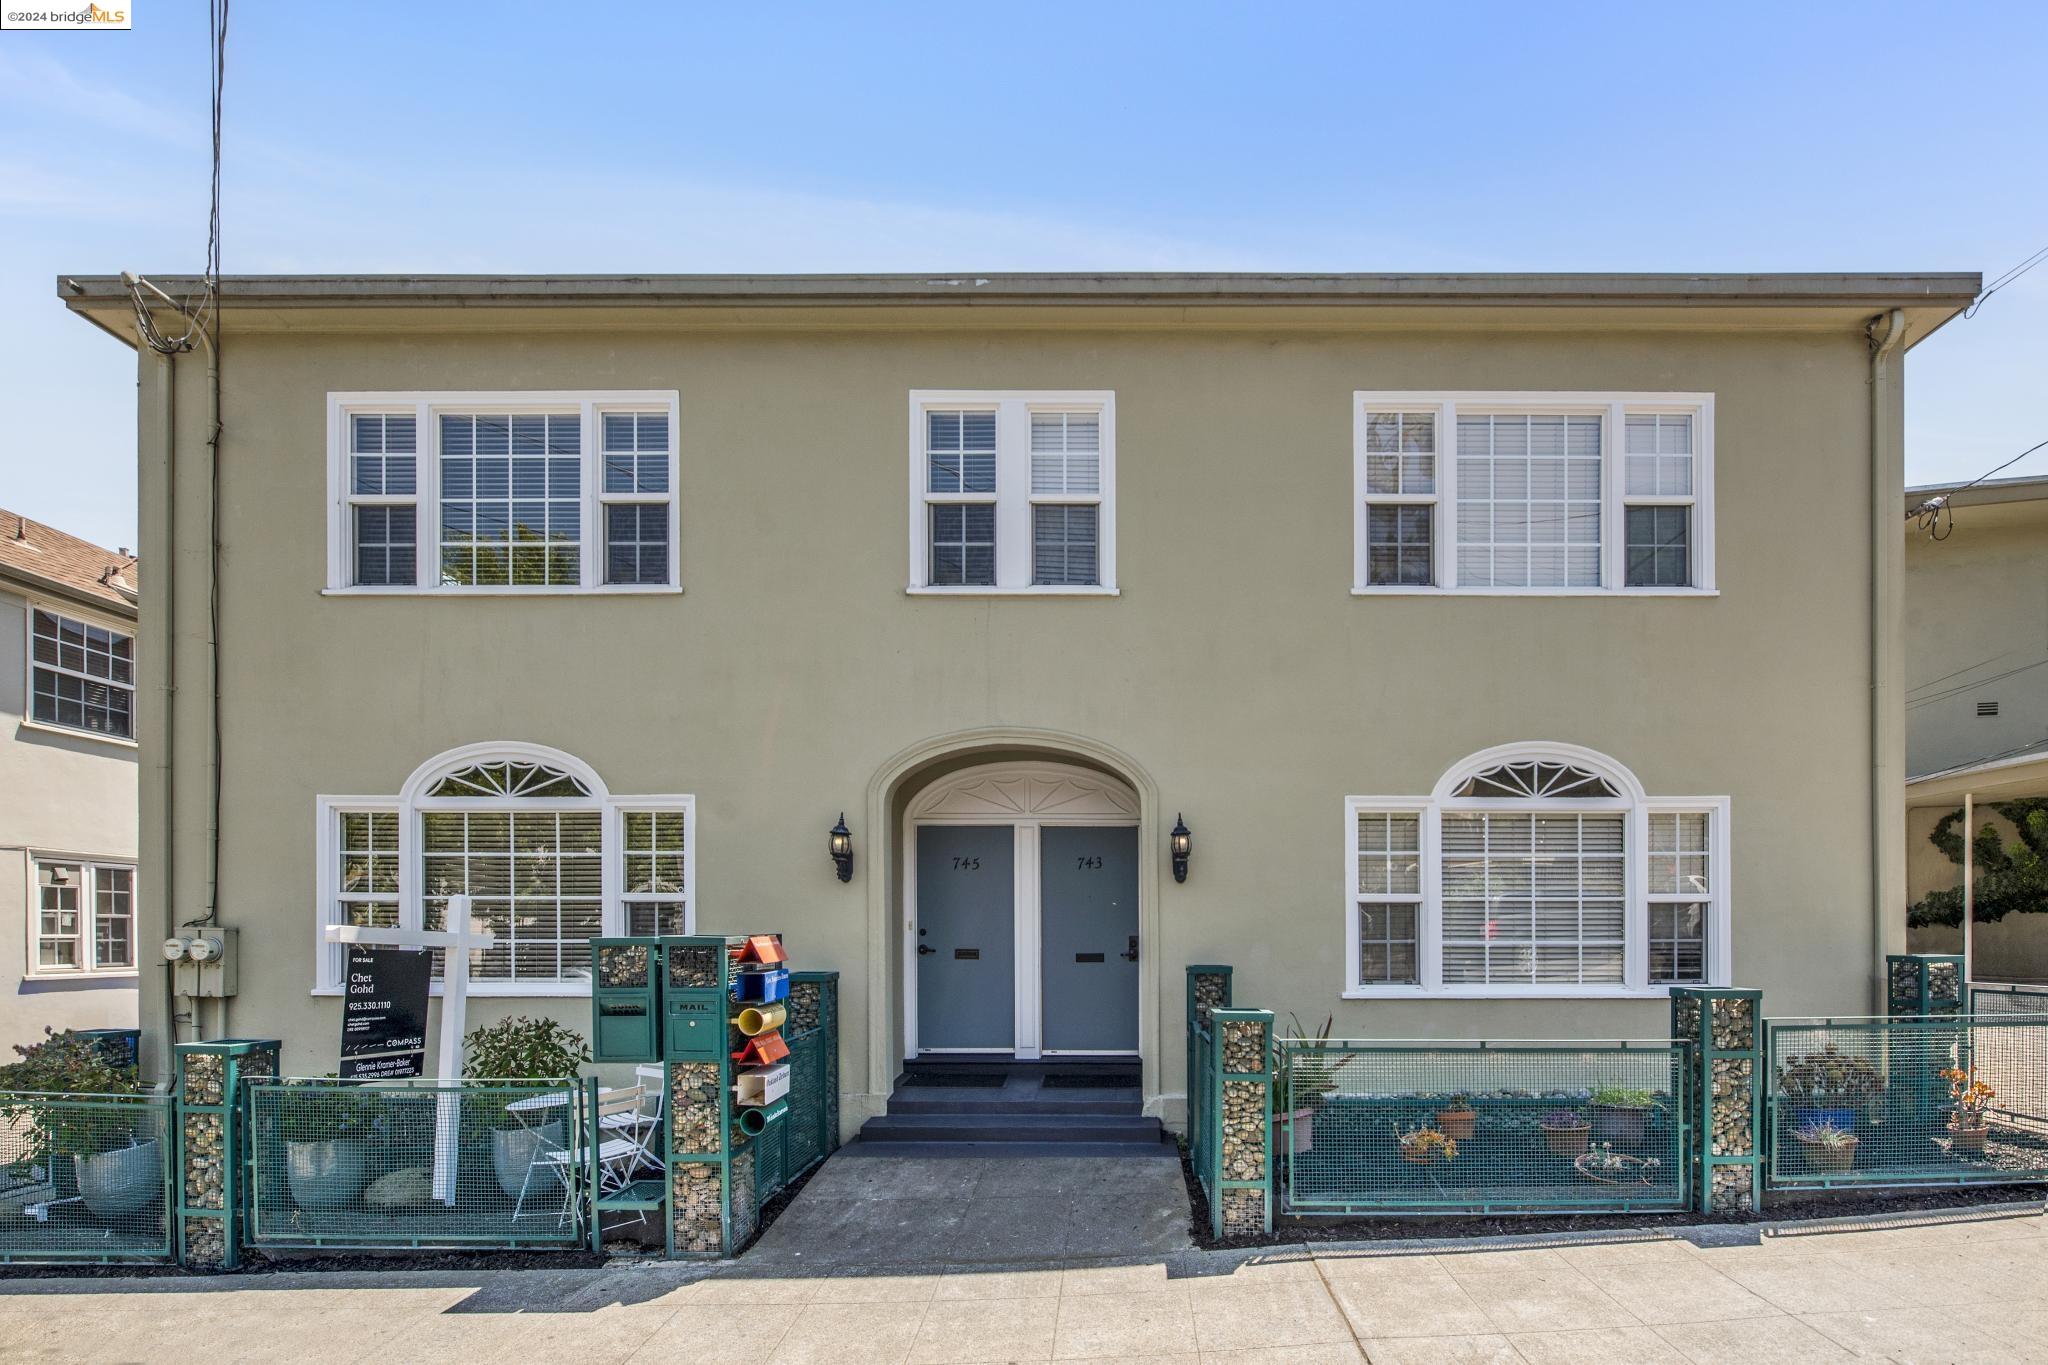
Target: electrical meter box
point(625, 1000)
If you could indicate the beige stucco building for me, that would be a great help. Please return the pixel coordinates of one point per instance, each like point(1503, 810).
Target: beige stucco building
point(1459, 618)
point(1976, 693)
point(67, 783)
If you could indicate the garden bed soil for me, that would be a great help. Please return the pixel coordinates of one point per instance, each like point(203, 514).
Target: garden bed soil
point(1289, 1230)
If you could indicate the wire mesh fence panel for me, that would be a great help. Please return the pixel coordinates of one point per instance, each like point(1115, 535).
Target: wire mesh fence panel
point(2008, 1069)
point(1459, 1128)
point(469, 1165)
point(84, 1176)
point(1929, 1100)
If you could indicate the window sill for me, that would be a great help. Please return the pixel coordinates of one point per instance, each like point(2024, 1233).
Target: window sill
point(600, 590)
point(537, 990)
point(49, 729)
point(1534, 592)
point(1509, 993)
point(111, 974)
point(1012, 592)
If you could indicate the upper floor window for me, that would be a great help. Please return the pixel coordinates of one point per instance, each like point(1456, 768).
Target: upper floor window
point(1012, 492)
point(549, 858)
point(81, 675)
point(1536, 870)
point(503, 492)
point(1533, 492)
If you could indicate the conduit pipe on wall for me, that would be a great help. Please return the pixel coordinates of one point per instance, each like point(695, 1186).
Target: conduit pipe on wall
point(1887, 591)
point(167, 412)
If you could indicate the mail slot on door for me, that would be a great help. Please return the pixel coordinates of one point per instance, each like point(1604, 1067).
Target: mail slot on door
point(625, 1000)
point(1087, 957)
point(967, 954)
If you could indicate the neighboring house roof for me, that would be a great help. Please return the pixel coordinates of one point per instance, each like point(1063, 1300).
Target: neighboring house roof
point(2026, 488)
point(2017, 772)
point(1796, 299)
point(44, 559)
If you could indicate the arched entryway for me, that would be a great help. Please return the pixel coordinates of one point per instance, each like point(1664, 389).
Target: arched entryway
point(1020, 905)
point(1027, 782)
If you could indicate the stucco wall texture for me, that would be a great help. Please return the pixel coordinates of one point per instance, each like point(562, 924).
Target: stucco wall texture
point(1236, 669)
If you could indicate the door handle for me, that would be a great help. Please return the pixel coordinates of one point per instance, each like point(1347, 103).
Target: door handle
point(925, 950)
point(1130, 954)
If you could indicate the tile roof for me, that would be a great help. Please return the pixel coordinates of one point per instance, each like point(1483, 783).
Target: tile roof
point(40, 556)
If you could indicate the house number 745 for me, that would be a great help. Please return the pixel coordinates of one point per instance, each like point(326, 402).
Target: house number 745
point(967, 864)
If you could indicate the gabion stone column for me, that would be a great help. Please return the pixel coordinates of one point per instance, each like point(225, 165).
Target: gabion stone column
point(210, 1139)
point(1924, 983)
point(1724, 1031)
point(1243, 1190)
point(697, 1170)
point(1208, 989)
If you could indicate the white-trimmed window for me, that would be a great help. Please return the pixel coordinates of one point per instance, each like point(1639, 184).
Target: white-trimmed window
point(1536, 870)
point(1012, 492)
point(1540, 492)
point(503, 492)
point(81, 674)
point(548, 856)
point(84, 921)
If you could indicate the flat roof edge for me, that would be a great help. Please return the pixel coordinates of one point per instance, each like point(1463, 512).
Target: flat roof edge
point(1952, 289)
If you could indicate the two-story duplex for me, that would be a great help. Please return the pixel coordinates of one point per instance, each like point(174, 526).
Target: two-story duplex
point(68, 896)
point(1463, 623)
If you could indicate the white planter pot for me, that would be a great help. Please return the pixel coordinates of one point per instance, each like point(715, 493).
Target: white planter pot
point(512, 1151)
point(327, 1175)
point(117, 1183)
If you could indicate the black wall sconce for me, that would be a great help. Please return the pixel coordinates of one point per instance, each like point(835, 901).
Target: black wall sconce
point(1180, 841)
point(842, 848)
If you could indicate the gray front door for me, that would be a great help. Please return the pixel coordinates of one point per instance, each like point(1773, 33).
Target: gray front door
point(1088, 895)
point(966, 938)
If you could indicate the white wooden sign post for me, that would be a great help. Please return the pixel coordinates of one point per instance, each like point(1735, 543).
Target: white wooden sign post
point(458, 940)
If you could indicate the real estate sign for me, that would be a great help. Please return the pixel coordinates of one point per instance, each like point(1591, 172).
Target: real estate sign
point(384, 1013)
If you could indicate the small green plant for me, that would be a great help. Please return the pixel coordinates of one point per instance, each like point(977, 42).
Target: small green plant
point(1824, 1134)
point(1458, 1105)
point(1829, 1074)
point(1623, 1097)
point(1425, 1146)
point(326, 1110)
point(1562, 1121)
point(1309, 1069)
point(525, 1049)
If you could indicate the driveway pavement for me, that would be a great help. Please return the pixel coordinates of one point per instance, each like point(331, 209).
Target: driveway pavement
point(1969, 1287)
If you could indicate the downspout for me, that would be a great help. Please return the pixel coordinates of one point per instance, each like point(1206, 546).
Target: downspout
point(1887, 594)
point(167, 641)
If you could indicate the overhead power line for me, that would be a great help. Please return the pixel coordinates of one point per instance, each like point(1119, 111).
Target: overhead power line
point(2003, 280)
point(1936, 515)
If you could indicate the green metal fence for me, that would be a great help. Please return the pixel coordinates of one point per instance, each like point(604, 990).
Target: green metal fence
point(2007, 1069)
point(426, 1164)
point(1482, 1127)
point(1874, 1102)
point(1208, 990)
point(84, 1177)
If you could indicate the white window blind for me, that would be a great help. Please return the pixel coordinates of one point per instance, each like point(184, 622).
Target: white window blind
point(1659, 500)
point(1534, 898)
point(635, 496)
point(1389, 892)
point(81, 675)
point(1529, 500)
point(1401, 496)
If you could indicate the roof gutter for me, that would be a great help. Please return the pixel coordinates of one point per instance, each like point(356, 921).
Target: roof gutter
point(1887, 658)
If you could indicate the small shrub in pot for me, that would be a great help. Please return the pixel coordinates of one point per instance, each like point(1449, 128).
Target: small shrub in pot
point(524, 1051)
point(1566, 1131)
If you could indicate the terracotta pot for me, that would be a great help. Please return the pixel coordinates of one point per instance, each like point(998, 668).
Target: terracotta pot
point(1568, 1141)
point(1457, 1124)
point(1821, 1156)
point(1968, 1139)
point(1421, 1158)
point(1622, 1127)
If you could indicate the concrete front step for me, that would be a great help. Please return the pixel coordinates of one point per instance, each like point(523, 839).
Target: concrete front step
point(1043, 1128)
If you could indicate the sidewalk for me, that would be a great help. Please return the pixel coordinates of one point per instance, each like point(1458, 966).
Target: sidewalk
point(1970, 1286)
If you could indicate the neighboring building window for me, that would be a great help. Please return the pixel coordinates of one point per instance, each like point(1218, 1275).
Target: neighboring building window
point(1539, 493)
point(1389, 897)
point(81, 676)
point(549, 859)
point(1545, 871)
point(1681, 895)
point(1013, 492)
point(85, 917)
point(511, 492)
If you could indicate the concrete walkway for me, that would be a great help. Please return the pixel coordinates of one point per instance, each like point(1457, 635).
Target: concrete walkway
point(1967, 1287)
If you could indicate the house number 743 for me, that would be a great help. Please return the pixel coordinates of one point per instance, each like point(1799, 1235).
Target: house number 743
point(1089, 864)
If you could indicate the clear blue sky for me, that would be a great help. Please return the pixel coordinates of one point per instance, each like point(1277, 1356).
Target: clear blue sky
point(683, 137)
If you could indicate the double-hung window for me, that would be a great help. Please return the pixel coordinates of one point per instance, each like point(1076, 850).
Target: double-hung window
point(1536, 870)
point(84, 918)
point(81, 675)
point(1012, 492)
point(1533, 492)
point(503, 492)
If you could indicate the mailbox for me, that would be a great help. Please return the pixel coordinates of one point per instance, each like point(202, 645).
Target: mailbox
point(763, 986)
point(761, 1085)
point(625, 998)
point(762, 1051)
point(694, 1024)
point(754, 1122)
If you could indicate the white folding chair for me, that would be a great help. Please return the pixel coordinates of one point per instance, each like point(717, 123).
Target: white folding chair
point(616, 1158)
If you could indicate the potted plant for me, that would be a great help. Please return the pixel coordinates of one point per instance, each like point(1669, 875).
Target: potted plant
point(522, 1051)
point(1426, 1147)
point(1620, 1114)
point(84, 1146)
point(326, 1126)
point(1969, 1121)
point(1566, 1130)
point(1829, 1086)
point(1308, 1077)
point(1457, 1119)
point(1602, 1163)
point(1826, 1147)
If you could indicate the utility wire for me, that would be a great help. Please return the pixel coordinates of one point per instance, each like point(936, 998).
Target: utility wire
point(2003, 280)
point(1938, 511)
